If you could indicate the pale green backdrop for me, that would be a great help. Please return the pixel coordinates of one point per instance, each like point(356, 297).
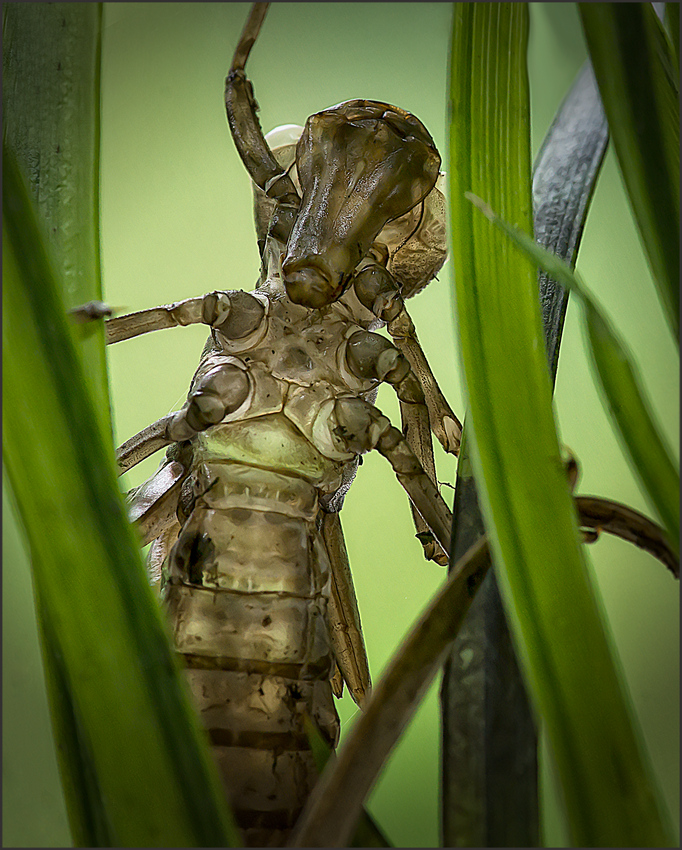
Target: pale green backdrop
point(176, 222)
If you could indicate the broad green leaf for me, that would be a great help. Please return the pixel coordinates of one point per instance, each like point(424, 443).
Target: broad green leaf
point(116, 675)
point(517, 463)
point(620, 383)
point(636, 69)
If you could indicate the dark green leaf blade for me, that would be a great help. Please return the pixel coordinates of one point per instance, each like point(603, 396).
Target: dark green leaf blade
point(672, 20)
point(637, 74)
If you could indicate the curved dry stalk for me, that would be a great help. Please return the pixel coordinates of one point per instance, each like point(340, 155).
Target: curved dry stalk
point(335, 805)
point(328, 822)
point(604, 515)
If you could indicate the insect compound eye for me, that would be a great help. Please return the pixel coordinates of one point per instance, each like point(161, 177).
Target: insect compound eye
point(360, 165)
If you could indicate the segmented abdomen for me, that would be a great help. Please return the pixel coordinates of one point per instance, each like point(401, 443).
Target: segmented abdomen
point(247, 585)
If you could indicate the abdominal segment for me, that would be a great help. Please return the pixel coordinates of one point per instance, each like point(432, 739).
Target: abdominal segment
point(247, 586)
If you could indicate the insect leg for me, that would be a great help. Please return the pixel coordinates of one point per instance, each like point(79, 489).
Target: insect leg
point(420, 421)
point(159, 550)
point(143, 444)
point(378, 291)
point(375, 286)
point(248, 137)
point(152, 506)
point(346, 631)
point(369, 355)
point(236, 316)
point(186, 312)
point(219, 390)
point(417, 430)
point(233, 313)
point(358, 426)
point(445, 425)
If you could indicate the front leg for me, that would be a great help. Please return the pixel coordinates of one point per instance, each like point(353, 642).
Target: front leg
point(237, 318)
point(220, 388)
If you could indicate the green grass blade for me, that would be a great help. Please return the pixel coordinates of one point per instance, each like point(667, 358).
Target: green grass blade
point(88, 819)
point(51, 118)
point(524, 493)
point(490, 790)
point(51, 70)
point(621, 385)
point(636, 69)
point(156, 781)
point(637, 428)
point(51, 111)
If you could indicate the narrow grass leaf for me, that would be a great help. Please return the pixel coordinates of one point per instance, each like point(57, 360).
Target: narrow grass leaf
point(51, 62)
point(489, 789)
point(524, 493)
point(636, 68)
point(51, 116)
point(672, 21)
point(86, 808)
point(636, 426)
point(51, 119)
point(620, 383)
point(155, 779)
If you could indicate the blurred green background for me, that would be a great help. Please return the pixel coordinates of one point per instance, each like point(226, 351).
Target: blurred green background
point(176, 222)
